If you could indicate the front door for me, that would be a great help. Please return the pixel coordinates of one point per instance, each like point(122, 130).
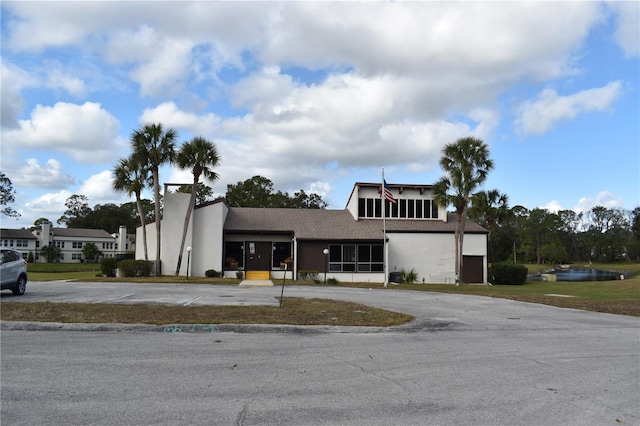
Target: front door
point(258, 256)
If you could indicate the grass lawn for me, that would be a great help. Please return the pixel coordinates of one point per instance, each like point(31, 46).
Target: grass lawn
point(616, 297)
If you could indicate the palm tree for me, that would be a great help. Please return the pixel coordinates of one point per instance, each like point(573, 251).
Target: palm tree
point(466, 165)
point(131, 177)
point(153, 145)
point(488, 207)
point(200, 156)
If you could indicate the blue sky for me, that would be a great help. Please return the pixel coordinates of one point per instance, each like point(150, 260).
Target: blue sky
point(319, 95)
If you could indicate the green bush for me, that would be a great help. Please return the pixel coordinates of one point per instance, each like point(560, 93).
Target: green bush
point(332, 281)
point(508, 273)
point(108, 266)
point(212, 273)
point(409, 277)
point(135, 268)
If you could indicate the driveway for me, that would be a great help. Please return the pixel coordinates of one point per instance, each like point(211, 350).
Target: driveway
point(465, 360)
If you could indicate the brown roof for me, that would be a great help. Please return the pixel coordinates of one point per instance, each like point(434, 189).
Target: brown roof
point(319, 224)
point(18, 234)
point(81, 233)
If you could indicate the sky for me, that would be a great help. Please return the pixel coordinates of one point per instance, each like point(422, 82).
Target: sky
point(320, 95)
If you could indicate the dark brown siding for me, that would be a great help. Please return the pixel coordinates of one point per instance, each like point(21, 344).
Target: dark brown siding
point(310, 255)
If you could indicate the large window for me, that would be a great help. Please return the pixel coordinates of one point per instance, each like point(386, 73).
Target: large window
point(370, 258)
point(402, 209)
point(356, 258)
point(233, 254)
point(280, 252)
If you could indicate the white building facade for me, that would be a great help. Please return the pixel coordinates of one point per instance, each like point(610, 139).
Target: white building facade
point(419, 237)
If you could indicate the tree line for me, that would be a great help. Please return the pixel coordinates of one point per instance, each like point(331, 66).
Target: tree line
point(518, 234)
point(540, 236)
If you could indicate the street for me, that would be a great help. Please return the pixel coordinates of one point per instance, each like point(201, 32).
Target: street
point(465, 360)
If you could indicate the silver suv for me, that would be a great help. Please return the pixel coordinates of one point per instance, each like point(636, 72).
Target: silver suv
point(13, 272)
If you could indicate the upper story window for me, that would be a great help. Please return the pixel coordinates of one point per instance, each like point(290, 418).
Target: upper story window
point(403, 209)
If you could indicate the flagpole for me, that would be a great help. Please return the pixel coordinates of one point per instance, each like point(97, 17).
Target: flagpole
point(384, 232)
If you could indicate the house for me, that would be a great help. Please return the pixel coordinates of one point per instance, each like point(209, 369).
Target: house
point(21, 240)
point(70, 241)
point(347, 244)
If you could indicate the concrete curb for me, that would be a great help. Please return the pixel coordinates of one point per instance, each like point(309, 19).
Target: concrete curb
point(187, 328)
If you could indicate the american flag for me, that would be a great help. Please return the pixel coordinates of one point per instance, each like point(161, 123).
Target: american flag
point(386, 194)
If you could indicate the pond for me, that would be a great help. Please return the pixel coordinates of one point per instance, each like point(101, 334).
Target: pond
point(577, 274)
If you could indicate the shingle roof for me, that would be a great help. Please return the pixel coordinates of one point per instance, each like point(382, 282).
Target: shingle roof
point(19, 234)
point(318, 224)
point(81, 233)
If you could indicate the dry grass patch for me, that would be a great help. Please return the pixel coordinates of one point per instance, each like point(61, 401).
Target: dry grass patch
point(294, 311)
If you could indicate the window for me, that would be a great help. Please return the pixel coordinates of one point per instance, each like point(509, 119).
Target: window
point(411, 208)
point(59, 244)
point(403, 208)
point(369, 212)
point(419, 209)
point(76, 256)
point(342, 258)
point(370, 258)
point(22, 243)
point(427, 209)
point(280, 252)
point(76, 244)
point(234, 254)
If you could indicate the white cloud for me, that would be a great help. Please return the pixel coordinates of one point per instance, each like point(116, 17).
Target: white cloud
point(87, 133)
point(554, 206)
point(170, 115)
point(627, 33)
point(549, 108)
point(98, 188)
point(603, 198)
point(58, 79)
point(47, 176)
point(14, 79)
point(49, 205)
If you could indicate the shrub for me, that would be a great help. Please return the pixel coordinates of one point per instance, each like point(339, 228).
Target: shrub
point(508, 273)
point(239, 275)
point(212, 273)
point(135, 268)
point(409, 277)
point(108, 266)
point(332, 281)
point(308, 275)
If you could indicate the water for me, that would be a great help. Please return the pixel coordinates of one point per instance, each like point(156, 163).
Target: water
point(578, 274)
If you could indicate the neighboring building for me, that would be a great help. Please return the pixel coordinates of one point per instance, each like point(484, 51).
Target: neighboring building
point(420, 236)
point(19, 239)
point(71, 241)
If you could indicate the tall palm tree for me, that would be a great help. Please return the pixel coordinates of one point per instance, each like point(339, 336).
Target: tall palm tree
point(466, 165)
point(153, 145)
point(200, 156)
point(488, 207)
point(131, 177)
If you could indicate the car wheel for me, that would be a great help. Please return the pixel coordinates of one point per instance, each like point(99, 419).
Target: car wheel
point(21, 286)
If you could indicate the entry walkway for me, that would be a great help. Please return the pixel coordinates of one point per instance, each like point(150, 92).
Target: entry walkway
point(256, 283)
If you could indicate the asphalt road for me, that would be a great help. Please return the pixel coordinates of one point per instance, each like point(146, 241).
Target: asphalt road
point(466, 360)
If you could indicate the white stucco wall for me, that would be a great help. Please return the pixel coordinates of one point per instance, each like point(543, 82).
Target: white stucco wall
point(151, 242)
point(174, 210)
point(431, 255)
point(207, 241)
